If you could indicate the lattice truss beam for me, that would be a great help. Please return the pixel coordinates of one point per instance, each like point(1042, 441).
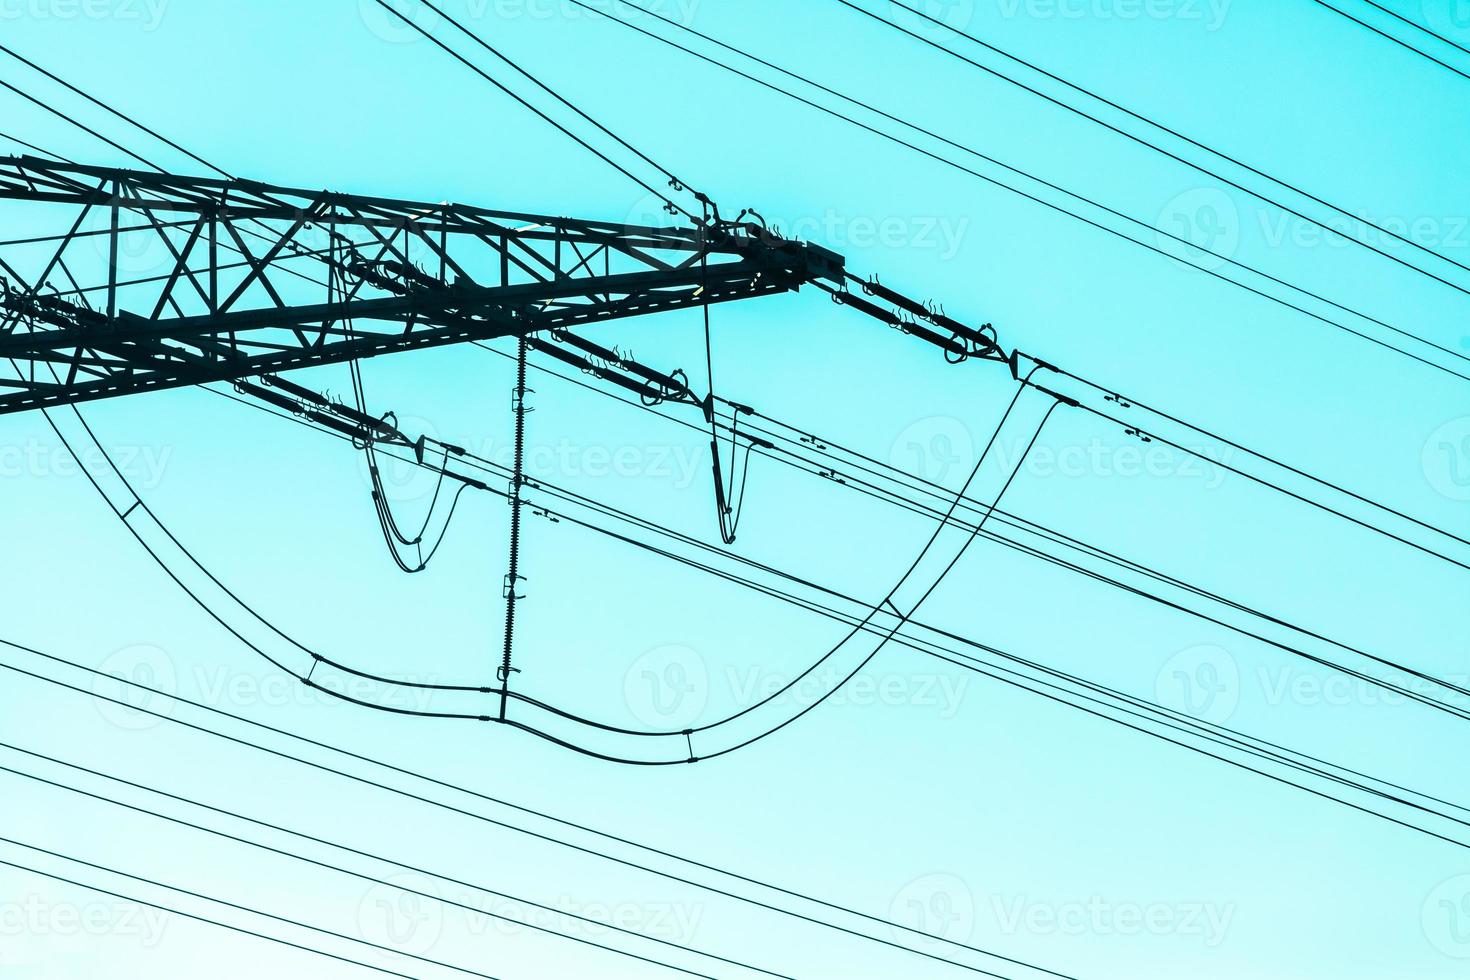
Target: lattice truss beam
point(114, 282)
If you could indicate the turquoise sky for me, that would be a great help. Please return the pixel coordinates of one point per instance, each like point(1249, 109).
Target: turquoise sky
point(923, 794)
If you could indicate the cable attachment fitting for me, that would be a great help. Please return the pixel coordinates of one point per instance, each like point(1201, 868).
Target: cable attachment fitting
point(509, 585)
point(519, 403)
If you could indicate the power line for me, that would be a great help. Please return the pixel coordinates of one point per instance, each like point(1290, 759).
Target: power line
point(1153, 572)
point(1172, 132)
point(620, 515)
point(482, 818)
point(30, 146)
point(1236, 737)
point(1274, 460)
point(199, 918)
point(970, 666)
point(1322, 662)
point(674, 181)
point(277, 664)
point(284, 920)
point(78, 124)
point(939, 158)
point(1398, 40)
point(121, 115)
point(1416, 25)
point(527, 104)
point(238, 839)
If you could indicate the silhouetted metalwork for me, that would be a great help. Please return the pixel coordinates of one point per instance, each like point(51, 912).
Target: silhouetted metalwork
point(232, 290)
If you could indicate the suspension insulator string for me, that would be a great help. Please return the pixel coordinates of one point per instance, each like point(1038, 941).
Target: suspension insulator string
point(513, 576)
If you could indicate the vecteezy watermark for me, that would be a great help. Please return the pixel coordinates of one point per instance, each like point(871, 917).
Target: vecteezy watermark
point(944, 906)
point(1446, 459)
point(1204, 217)
point(674, 922)
point(941, 693)
point(1128, 461)
point(675, 465)
point(667, 687)
point(36, 917)
point(1445, 917)
point(941, 449)
point(136, 685)
point(939, 235)
point(1200, 681)
point(388, 26)
point(941, 906)
point(1206, 682)
point(1380, 231)
point(1211, 14)
point(147, 14)
point(390, 916)
point(142, 465)
point(670, 686)
point(1206, 922)
point(147, 676)
point(1447, 16)
point(958, 14)
point(934, 448)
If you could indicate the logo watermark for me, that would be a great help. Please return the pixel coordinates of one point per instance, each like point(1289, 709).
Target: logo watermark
point(1210, 14)
point(1445, 917)
point(1446, 459)
point(146, 14)
point(34, 916)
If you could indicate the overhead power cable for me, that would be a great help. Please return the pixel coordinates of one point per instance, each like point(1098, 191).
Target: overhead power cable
point(1050, 205)
point(1398, 40)
point(208, 921)
point(1416, 25)
point(1266, 457)
point(29, 146)
point(1402, 239)
point(967, 663)
point(674, 180)
point(152, 132)
point(1414, 695)
point(429, 36)
point(371, 880)
point(115, 112)
point(505, 825)
point(277, 663)
point(1171, 719)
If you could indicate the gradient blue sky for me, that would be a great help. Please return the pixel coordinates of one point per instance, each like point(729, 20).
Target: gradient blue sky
point(950, 802)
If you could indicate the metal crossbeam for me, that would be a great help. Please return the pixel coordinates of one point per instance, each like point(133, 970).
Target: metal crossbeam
point(118, 281)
